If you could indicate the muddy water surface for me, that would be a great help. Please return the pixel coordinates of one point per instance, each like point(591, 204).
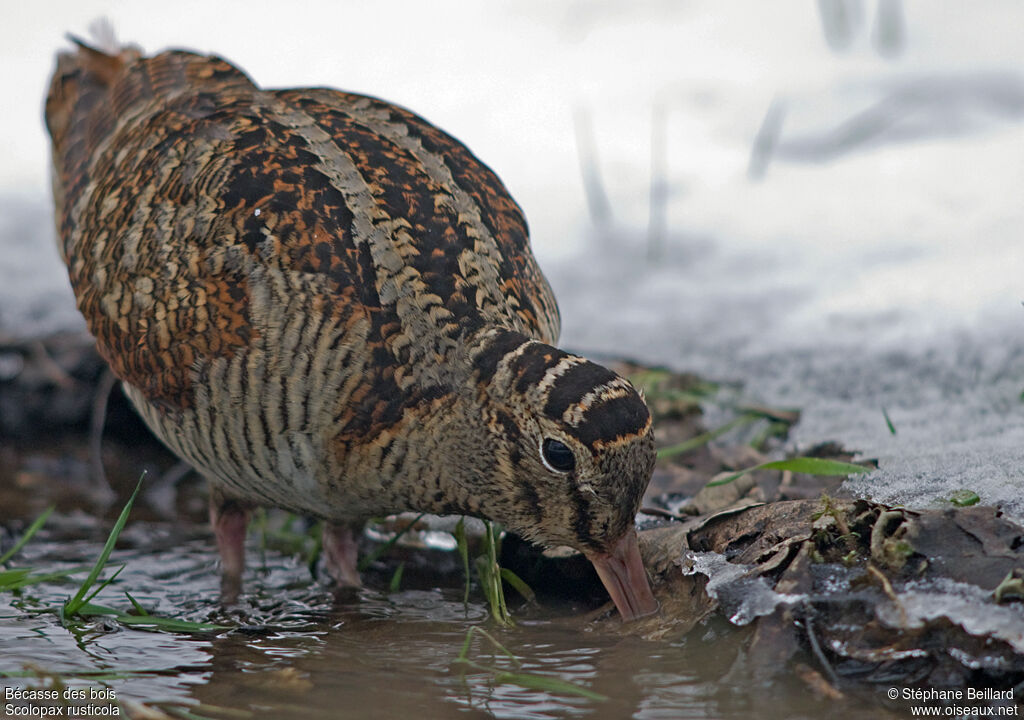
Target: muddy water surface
point(295, 649)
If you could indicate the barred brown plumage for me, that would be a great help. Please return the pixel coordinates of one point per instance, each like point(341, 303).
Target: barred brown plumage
point(326, 304)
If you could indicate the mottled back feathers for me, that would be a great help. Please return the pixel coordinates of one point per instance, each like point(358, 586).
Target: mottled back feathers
point(362, 206)
point(325, 303)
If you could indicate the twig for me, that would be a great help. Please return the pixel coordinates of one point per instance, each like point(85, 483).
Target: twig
point(889, 592)
point(97, 421)
point(657, 222)
point(705, 437)
point(816, 648)
point(593, 187)
point(766, 140)
point(51, 369)
point(890, 31)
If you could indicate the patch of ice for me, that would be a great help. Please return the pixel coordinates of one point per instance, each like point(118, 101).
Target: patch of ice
point(743, 597)
point(968, 606)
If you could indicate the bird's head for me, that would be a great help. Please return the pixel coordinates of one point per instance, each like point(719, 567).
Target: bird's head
point(568, 454)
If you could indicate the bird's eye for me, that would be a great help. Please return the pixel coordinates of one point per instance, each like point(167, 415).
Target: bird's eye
point(557, 456)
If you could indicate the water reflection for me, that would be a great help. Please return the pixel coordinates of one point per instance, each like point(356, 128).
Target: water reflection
point(298, 650)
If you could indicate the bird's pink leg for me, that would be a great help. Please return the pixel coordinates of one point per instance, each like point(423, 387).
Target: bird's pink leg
point(229, 519)
point(341, 551)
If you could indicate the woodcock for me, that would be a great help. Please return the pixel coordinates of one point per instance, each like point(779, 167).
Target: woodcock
point(326, 304)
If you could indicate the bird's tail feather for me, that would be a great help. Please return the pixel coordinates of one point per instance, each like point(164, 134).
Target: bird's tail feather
point(97, 84)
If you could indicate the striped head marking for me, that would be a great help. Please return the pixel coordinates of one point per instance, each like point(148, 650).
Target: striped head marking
point(572, 439)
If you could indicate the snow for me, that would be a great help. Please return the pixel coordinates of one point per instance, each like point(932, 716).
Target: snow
point(871, 258)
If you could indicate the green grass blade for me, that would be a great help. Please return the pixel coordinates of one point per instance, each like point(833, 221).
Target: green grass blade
point(518, 584)
point(508, 653)
point(888, 422)
point(526, 680)
point(476, 629)
point(89, 609)
point(380, 550)
point(148, 621)
point(484, 573)
point(490, 575)
point(548, 684)
point(463, 546)
point(106, 582)
point(72, 605)
point(27, 535)
point(35, 579)
point(13, 576)
point(464, 653)
point(802, 465)
point(135, 604)
point(494, 572)
point(816, 466)
point(704, 438)
point(396, 579)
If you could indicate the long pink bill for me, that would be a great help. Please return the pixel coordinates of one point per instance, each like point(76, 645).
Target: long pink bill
point(622, 572)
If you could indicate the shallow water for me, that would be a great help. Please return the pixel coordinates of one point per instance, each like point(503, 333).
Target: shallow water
point(298, 650)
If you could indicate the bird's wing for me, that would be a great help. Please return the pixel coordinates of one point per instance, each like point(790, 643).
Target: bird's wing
point(202, 217)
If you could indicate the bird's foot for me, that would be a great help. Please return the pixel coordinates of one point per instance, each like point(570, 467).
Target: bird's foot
point(229, 520)
point(341, 552)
